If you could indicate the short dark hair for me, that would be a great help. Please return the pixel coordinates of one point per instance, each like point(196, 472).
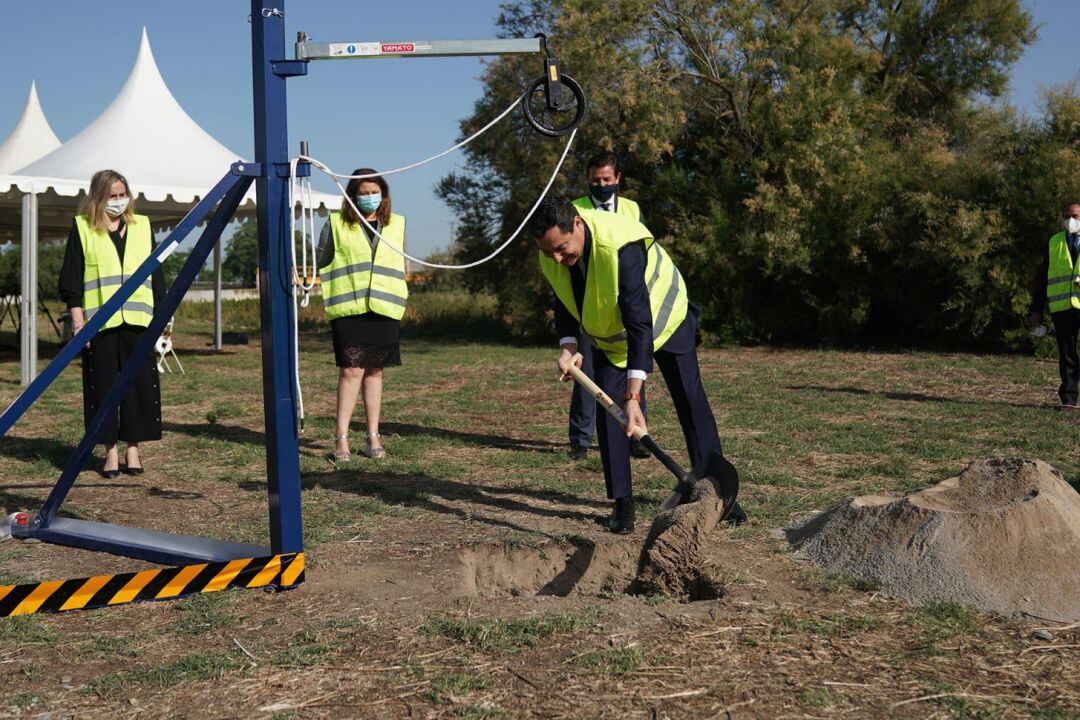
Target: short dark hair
point(1066, 206)
point(603, 159)
point(553, 210)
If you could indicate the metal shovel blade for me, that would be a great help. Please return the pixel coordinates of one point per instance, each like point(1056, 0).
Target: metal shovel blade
point(716, 466)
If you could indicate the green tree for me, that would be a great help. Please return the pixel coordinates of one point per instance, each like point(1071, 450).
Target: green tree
point(828, 171)
point(241, 263)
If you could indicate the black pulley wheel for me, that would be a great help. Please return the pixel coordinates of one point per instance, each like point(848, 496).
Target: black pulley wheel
point(554, 121)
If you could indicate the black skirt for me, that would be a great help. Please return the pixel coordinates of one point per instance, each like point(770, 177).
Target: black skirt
point(366, 341)
point(139, 415)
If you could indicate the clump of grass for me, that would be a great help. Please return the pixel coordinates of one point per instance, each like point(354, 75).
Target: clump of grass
point(304, 649)
point(815, 698)
point(191, 668)
point(112, 646)
point(25, 630)
point(25, 700)
point(611, 661)
point(446, 687)
point(834, 625)
point(497, 635)
point(203, 613)
point(518, 540)
point(945, 619)
point(838, 581)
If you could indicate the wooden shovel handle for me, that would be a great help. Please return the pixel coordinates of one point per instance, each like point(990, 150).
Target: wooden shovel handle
point(601, 397)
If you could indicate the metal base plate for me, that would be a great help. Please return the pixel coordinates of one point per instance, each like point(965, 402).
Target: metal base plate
point(149, 545)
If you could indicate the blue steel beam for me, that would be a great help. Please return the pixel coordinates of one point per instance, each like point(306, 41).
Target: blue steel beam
point(275, 291)
point(145, 346)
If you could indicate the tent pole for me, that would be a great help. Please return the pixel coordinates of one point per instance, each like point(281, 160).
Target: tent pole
point(28, 340)
point(217, 295)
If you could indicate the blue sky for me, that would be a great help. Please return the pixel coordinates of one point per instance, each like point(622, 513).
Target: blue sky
point(379, 113)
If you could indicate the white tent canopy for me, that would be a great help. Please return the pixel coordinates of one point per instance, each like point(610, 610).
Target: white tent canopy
point(31, 139)
point(144, 133)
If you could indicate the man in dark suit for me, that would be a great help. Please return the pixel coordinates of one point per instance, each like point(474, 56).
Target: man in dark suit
point(613, 279)
point(1058, 286)
point(603, 176)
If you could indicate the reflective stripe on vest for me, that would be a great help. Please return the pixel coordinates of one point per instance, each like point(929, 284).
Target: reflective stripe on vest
point(1062, 291)
point(104, 273)
point(355, 282)
point(600, 317)
point(623, 206)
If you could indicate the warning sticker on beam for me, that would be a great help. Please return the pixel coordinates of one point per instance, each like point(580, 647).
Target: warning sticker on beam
point(281, 571)
point(357, 49)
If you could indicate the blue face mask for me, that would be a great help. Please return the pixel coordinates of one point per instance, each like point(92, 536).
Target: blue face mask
point(368, 203)
point(602, 193)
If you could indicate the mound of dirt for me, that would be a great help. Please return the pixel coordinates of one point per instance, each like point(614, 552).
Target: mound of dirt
point(671, 561)
point(1003, 536)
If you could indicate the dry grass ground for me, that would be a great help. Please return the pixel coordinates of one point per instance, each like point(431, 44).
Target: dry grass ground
point(429, 588)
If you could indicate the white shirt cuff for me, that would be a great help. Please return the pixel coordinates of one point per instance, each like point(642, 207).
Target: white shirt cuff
point(636, 375)
point(567, 341)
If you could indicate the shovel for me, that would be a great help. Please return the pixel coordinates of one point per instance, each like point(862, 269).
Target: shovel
point(715, 465)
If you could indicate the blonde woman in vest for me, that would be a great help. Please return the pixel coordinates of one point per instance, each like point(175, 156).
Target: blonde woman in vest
point(108, 242)
point(364, 293)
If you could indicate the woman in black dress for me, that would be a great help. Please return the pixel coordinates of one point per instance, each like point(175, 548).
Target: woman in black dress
point(364, 293)
point(107, 243)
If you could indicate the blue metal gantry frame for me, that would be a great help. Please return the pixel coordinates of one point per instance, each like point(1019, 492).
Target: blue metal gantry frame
point(270, 172)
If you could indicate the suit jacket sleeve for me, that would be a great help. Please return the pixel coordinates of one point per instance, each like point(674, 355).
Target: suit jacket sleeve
point(634, 306)
point(565, 324)
point(71, 272)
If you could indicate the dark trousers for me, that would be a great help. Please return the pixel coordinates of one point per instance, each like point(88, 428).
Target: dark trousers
point(139, 416)
point(1066, 327)
point(683, 379)
point(582, 404)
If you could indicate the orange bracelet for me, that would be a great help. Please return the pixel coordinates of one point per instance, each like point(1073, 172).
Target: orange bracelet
point(632, 396)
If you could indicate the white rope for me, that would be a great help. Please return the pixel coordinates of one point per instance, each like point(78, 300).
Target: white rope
point(550, 182)
point(461, 144)
point(301, 283)
point(307, 222)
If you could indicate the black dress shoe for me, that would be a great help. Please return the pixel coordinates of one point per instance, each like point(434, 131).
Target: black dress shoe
point(133, 470)
point(737, 516)
point(578, 452)
point(638, 450)
point(621, 521)
point(111, 474)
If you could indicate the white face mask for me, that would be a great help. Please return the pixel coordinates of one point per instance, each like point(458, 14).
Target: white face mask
point(1072, 226)
point(114, 208)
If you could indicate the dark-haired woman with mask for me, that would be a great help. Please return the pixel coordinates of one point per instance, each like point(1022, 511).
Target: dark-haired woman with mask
point(364, 293)
point(107, 243)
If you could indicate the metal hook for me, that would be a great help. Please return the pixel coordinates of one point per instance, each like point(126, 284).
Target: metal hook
point(544, 43)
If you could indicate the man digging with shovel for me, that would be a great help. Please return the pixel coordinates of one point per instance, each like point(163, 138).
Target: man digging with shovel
point(615, 282)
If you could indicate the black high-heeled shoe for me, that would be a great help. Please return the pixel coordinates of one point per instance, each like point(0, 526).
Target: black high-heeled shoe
point(133, 470)
point(111, 474)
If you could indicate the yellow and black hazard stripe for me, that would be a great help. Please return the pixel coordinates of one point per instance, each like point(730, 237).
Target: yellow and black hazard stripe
point(281, 571)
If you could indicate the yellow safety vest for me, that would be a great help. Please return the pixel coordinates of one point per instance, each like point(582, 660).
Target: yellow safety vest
point(103, 273)
point(355, 282)
point(600, 317)
point(623, 206)
point(1062, 292)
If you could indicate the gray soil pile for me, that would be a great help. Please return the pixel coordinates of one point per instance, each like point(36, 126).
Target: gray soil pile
point(672, 561)
point(1003, 536)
